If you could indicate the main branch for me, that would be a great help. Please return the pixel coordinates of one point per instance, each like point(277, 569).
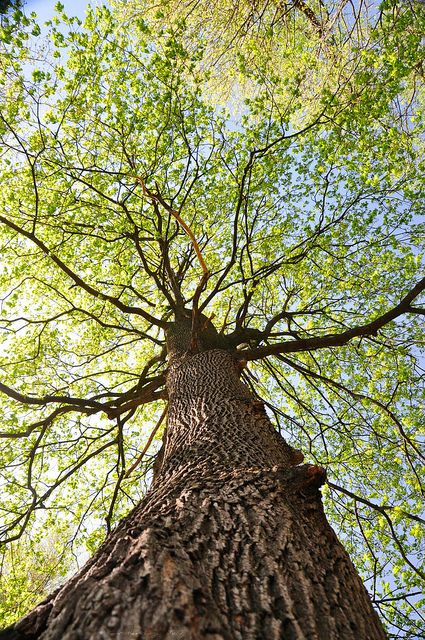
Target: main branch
point(337, 339)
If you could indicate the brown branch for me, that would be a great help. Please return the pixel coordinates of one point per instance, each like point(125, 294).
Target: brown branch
point(403, 596)
point(11, 435)
point(417, 310)
point(25, 399)
point(336, 339)
point(148, 444)
point(377, 507)
point(113, 408)
point(147, 394)
point(310, 15)
point(241, 197)
point(383, 510)
point(79, 281)
point(156, 197)
point(120, 465)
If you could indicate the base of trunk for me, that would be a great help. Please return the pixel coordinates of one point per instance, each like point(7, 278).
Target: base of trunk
point(244, 555)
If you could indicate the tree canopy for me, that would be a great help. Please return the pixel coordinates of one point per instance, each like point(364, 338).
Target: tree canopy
point(304, 194)
point(8, 5)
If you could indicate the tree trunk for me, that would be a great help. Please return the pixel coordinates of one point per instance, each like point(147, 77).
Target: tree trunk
point(230, 543)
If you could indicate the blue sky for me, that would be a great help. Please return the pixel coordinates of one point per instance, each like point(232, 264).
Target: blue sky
point(46, 8)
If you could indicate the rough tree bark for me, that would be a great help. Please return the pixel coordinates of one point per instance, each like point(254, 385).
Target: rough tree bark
point(230, 543)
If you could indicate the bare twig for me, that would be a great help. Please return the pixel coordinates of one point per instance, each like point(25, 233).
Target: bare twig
point(337, 339)
point(148, 444)
point(156, 197)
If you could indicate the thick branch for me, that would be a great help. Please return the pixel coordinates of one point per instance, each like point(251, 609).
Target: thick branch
point(113, 408)
point(310, 15)
point(25, 399)
point(336, 339)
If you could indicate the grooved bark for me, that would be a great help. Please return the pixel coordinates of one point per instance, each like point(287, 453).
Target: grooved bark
point(231, 543)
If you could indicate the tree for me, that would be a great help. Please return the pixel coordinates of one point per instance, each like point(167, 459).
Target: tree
point(156, 251)
point(30, 572)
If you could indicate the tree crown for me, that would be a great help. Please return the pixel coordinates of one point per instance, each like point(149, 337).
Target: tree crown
point(288, 231)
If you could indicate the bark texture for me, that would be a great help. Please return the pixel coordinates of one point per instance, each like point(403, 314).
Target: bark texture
point(231, 543)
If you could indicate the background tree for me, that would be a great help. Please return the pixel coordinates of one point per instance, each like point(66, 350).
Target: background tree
point(31, 570)
point(304, 48)
point(308, 219)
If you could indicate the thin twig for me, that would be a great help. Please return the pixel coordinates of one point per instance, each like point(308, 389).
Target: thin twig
point(148, 444)
point(158, 198)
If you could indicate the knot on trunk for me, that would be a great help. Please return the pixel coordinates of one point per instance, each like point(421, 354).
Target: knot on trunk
point(304, 479)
